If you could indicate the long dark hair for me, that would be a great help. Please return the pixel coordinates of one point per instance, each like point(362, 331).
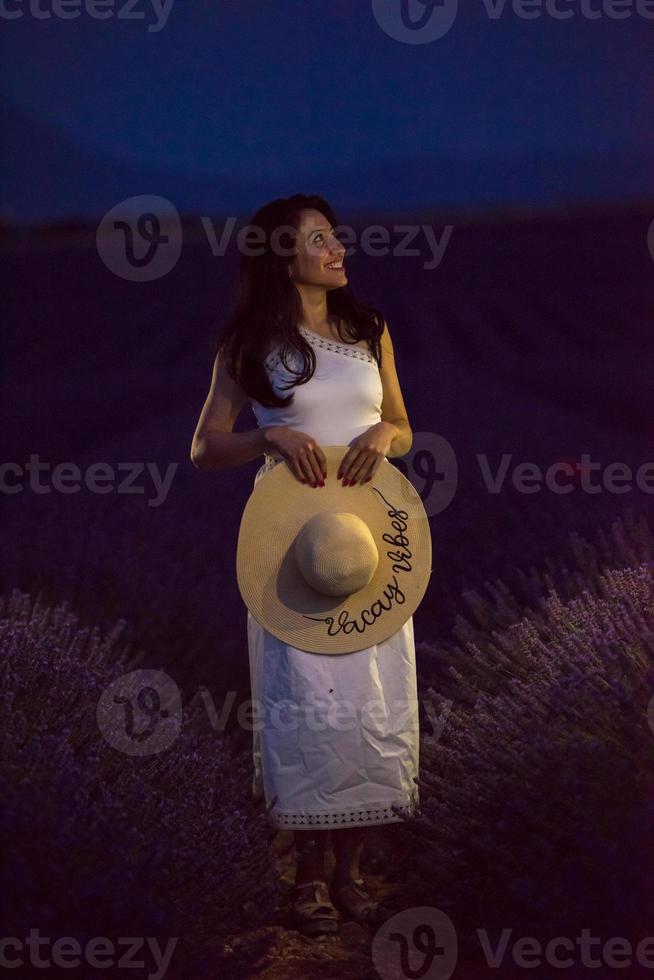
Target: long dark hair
point(268, 305)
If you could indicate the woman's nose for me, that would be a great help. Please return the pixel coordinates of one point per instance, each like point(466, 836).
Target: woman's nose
point(336, 247)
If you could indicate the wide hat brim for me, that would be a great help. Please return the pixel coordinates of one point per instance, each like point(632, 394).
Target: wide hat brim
point(275, 591)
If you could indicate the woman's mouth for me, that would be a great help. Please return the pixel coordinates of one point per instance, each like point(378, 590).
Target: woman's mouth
point(338, 265)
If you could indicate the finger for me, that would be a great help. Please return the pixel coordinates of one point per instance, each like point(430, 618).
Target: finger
point(310, 467)
point(354, 463)
point(316, 467)
point(363, 476)
point(295, 469)
point(347, 462)
point(373, 472)
point(303, 467)
point(362, 467)
point(372, 464)
point(322, 461)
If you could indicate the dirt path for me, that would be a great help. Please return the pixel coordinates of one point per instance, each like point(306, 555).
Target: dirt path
point(288, 954)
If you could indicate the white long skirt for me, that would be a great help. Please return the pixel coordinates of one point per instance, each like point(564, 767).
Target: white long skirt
point(335, 736)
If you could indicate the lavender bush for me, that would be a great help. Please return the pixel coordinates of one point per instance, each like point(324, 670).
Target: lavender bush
point(101, 843)
point(537, 798)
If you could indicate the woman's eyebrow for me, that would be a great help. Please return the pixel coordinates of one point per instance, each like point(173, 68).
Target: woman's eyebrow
point(313, 230)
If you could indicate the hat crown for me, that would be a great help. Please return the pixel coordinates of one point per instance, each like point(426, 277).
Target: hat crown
point(336, 553)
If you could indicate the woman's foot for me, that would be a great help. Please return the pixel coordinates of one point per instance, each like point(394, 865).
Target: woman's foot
point(313, 912)
point(352, 899)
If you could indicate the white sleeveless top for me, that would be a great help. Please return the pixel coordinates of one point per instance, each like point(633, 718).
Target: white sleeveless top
point(340, 401)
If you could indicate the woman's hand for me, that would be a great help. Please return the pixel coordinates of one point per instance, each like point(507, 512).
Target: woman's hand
point(301, 451)
point(365, 453)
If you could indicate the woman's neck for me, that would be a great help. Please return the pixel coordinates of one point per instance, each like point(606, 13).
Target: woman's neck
point(326, 327)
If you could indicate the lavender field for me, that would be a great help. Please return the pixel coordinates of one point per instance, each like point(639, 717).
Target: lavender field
point(531, 338)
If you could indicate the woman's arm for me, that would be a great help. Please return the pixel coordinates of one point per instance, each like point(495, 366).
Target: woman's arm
point(217, 450)
point(393, 409)
point(215, 446)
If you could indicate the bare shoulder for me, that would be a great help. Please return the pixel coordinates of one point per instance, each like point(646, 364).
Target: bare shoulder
point(393, 407)
point(386, 342)
point(224, 401)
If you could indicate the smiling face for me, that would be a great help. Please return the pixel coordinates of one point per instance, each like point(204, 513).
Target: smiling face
point(319, 259)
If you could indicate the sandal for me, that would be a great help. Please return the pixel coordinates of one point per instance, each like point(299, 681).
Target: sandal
point(313, 911)
point(353, 900)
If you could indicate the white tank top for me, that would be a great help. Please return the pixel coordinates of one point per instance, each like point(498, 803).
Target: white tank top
point(340, 401)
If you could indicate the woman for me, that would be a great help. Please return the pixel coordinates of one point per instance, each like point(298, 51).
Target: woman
point(298, 326)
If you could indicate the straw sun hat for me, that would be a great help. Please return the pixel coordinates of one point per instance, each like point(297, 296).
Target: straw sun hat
point(335, 569)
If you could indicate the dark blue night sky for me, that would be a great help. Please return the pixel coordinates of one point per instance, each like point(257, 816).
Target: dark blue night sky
point(230, 101)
